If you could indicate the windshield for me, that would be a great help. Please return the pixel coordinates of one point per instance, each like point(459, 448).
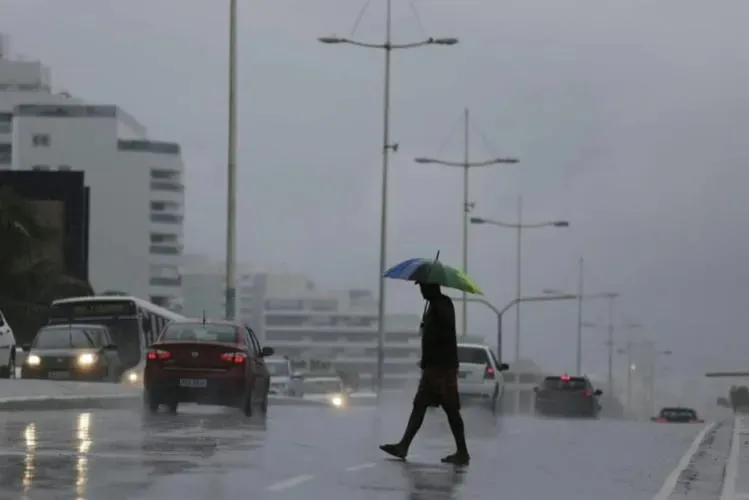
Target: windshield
point(323, 386)
point(199, 332)
point(278, 368)
point(67, 338)
point(678, 413)
point(559, 383)
point(472, 355)
point(125, 334)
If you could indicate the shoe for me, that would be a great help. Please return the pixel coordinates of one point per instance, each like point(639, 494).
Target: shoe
point(458, 458)
point(396, 450)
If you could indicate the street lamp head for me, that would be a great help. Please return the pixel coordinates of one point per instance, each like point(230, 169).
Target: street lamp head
point(551, 291)
point(477, 220)
point(508, 161)
point(422, 159)
point(331, 39)
point(560, 223)
point(445, 41)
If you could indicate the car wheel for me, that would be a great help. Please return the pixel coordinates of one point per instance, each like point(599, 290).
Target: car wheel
point(264, 403)
point(246, 404)
point(494, 402)
point(150, 402)
point(173, 405)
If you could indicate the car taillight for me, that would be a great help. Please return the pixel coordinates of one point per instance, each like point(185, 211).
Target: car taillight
point(234, 357)
point(158, 354)
point(489, 373)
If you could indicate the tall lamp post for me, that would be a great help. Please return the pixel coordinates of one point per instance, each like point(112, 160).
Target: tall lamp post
point(518, 226)
point(629, 327)
point(611, 296)
point(231, 195)
point(466, 165)
point(388, 46)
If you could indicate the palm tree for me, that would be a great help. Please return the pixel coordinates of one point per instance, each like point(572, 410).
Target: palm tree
point(28, 280)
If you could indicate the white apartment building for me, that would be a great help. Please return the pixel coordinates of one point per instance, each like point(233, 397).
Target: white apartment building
point(136, 184)
point(299, 320)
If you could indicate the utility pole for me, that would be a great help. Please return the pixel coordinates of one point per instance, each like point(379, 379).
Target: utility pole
point(466, 211)
point(611, 297)
point(518, 276)
point(580, 293)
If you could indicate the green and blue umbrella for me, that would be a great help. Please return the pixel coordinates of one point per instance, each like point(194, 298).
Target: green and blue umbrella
point(432, 271)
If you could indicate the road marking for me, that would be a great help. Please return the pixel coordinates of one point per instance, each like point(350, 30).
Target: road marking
point(290, 483)
point(671, 481)
point(728, 492)
point(354, 468)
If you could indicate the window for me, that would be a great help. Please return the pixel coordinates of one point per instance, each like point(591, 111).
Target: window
point(167, 175)
point(40, 140)
point(66, 337)
point(158, 206)
point(472, 355)
point(64, 167)
point(199, 332)
point(255, 344)
point(164, 238)
point(40, 167)
point(164, 250)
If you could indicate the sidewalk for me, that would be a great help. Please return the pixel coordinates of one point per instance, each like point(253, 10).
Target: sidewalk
point(21, 394)
point(736, 482)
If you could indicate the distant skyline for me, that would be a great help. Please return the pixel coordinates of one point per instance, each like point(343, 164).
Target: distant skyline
point(628, 120)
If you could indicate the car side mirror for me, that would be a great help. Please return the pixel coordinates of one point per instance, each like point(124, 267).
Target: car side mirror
point(110, 347)
point(598, 392)
point(26, 347)
point(503, 367)
point(266, 351)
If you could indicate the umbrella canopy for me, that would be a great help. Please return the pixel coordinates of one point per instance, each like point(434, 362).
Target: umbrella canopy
point(433, 272)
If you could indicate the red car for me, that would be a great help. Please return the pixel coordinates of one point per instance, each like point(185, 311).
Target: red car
point(211, 363)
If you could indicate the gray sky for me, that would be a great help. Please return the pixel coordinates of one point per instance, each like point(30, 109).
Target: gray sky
point(629, 119)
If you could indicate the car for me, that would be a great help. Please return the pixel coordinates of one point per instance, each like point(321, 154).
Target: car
point(564, 395)
point(7, 349)
point(480, 375)
point(72, 352)
point(280, 372)
point(327, 389)
point(207, 362)
point(677, 414)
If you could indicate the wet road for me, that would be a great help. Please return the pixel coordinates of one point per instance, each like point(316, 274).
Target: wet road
point(307, 452)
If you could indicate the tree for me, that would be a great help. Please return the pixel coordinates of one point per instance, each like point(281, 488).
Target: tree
point(29, 281)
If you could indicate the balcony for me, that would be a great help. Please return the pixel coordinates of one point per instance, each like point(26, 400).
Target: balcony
point(171, 186)
point(165, 250)
point(166, 218)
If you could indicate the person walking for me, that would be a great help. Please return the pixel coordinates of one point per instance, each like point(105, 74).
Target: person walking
point(438, 385)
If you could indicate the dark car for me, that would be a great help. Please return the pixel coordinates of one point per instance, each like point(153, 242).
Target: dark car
point(677, 414)
point(212, 363)
point(72, 352)
point(567, 396)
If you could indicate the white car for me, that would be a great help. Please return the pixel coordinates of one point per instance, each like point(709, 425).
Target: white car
point(480, 375)
point(7, 349)
point(279, 369)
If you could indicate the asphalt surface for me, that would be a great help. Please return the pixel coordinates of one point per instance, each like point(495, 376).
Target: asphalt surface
point(320, 453)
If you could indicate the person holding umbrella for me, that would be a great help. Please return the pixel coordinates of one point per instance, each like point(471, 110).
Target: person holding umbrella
point(438, 385)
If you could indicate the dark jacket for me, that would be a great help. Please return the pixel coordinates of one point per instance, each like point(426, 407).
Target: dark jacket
point(439, 343)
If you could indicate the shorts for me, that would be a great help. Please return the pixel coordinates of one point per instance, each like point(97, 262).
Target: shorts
point(438, 387)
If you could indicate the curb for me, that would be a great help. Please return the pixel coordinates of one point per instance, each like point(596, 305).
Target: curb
point(68, 402)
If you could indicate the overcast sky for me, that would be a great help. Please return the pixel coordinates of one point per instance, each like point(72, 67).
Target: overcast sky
point(630, 119)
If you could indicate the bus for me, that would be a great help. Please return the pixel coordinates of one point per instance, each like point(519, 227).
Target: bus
point(133, 323)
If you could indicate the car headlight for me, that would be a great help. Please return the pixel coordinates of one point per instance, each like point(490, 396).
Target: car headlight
point(336, 401)
point(132, 377)
point(86, 359)
point(33, 360)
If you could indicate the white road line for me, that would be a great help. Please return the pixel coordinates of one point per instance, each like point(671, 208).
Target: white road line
point(670, 484)
point(290, 483)
point(354, 468)
point(728, 492)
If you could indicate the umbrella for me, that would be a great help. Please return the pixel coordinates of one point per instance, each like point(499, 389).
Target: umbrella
point(433, 272)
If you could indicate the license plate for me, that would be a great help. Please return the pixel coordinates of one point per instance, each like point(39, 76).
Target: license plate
point(463, 374)
point(58, 375)
point(192, 382)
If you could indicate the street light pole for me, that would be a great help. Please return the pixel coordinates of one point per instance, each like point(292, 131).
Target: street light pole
point(466, 165)
point(519, 226)
point(518, 276)
point(580, 291)
point(466, 211)
point(610, 343)
point(231, 195)
point(388, 46)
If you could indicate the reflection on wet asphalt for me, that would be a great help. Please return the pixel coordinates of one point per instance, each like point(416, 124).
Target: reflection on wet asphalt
point(303, 453)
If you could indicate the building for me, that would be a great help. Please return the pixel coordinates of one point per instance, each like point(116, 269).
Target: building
point(292, 315)
point(136, 184)
point(61, 201)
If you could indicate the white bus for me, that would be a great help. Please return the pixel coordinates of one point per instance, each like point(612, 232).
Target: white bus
point(133, 323)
